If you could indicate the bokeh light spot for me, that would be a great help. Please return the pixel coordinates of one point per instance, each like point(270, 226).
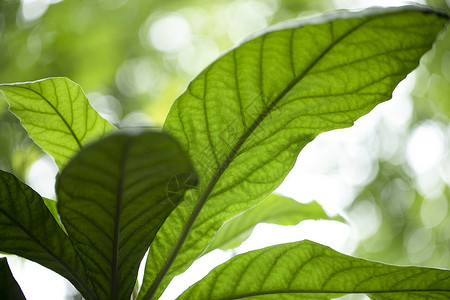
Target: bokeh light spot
point(137, 119)
point(195, 57)
point(247, 17)
point(419, 245)
point(34, 9)
point(135, 77)
point(41, 176)
point(425, 148)
point(170, 33)
point(107, 106)
point(434, 211)
point(366, 217)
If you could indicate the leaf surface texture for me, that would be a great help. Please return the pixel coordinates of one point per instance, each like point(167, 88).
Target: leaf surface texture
point(57, 115)
point(247, 116)
point(28, 229)
point(306, 270)
point(113, 197)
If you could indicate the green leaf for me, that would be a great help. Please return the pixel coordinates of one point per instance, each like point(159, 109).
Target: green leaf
point(275, 209)
point(305, 269)
point(246, 117)
point(9, 288)
point(28, 229)
point(52, 207)
point(113, 197)
point(57, 115)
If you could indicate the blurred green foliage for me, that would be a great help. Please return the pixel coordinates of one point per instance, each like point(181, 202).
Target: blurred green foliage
point(115, 51)
point(407, 203)
point(106, 46)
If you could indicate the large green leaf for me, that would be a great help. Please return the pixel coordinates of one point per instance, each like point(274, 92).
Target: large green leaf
point(246, 117)
point(56, 114)
point(113, 197)
point(306, 270)
point(9, 288)
point(28, 229)
point(275, 209)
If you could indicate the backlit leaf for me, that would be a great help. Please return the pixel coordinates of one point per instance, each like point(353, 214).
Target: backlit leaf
point(113, 197)
point(275, 209)
point(52, 207)
point(56, 114)
point(28, 229)
point(306, 270)
point(247, 116)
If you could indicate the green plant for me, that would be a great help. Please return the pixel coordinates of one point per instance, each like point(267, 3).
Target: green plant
point(227, 143)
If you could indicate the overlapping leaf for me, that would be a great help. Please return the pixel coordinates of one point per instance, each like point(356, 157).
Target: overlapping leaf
point(275, 209)
point(28, 229)
point(113, 197)
point(306, 270)
point(9, 288)
point(56, 114)
point(246, 117)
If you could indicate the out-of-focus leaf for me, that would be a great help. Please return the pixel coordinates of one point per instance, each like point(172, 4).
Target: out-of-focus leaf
point(56, 114)
point(306, 270)
point(9, 288)
point(28, 229)
point(247, 116)
point(17, 152)
point(275, 209)
point(113, 197)
point(431, 92)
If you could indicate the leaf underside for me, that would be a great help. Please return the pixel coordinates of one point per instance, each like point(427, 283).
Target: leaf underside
point(113, 197)
point(306, 270)
point(28, 229)
point(246, 117)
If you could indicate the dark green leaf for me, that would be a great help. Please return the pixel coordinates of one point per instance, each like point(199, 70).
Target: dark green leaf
point(9, 288)
point(275, 209)
point(305, 270)
point(113, 197)
point(28, 229)
point(56, 114)
point(246, 117)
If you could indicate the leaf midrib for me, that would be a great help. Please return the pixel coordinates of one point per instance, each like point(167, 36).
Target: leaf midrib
point(115, 255)
point(55, 109)
point(204, 196)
